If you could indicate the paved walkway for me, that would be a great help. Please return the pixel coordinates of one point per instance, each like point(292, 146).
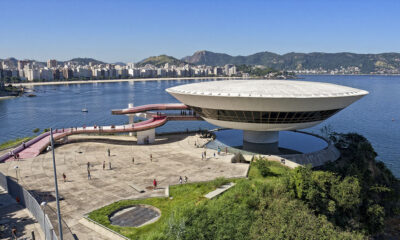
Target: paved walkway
point(219, 190)
point(13, 214)
point(172, 156)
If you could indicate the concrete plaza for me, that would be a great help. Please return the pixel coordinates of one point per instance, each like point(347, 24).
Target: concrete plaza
point(171, 156)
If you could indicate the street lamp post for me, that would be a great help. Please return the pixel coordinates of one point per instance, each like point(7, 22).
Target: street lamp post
point(43, 206)
point(56, 186)
point(16, 172)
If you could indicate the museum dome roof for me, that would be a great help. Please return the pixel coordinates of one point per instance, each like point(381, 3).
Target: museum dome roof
point(267, 89)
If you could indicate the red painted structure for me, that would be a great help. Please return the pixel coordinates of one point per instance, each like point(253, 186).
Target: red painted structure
point(37, 145)
point(149, 107)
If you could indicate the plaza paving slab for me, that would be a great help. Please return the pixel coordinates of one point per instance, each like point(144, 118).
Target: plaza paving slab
point(172, 156)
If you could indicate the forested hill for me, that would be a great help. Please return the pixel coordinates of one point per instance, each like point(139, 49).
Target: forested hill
point(367, 63)
point(85, 61)
point(160, 61)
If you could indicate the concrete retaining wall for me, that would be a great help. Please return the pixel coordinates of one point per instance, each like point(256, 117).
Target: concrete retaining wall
point(101, 229)
point(330, 153)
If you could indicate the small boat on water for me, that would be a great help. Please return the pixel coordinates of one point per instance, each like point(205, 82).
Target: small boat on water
point(31, 95)
point(85, 110)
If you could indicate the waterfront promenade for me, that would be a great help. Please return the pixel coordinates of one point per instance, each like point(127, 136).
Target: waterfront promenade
point(118, 80)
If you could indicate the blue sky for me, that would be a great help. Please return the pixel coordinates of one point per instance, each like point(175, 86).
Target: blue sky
point(127, 31)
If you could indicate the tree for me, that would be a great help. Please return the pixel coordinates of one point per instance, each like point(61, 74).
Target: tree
point(347, 193)
point(376, 218)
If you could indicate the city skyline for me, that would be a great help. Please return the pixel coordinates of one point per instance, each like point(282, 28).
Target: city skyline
point(131, 31)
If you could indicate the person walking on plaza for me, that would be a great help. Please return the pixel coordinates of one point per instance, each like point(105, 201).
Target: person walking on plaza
point(88, 165)
point(151, 157)
point(88, 175)
point(64, 177)
point(133, 160)
point(186, 179)
point(109, 165)
point(154, 184)
point(180, 179)
point(108, 151)
point(14, 232)
point(104, 165)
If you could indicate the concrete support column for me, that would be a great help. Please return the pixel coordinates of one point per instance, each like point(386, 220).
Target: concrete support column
point(260, 136)
point(146, 137)
point(131, 118)
point(261, 142)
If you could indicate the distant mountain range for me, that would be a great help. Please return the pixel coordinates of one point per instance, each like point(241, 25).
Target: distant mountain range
point(367, 63)
point(80, 61)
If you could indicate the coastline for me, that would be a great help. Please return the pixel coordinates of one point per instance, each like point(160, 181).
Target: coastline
point(116, 80)
point(167, 79)
point(6, 97)
point(347, 74)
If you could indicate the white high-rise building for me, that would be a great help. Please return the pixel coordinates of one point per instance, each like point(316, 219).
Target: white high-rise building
point(51, 63)
point(46, 74)
point(130, 65)
point(32, 74)
point(232, 70)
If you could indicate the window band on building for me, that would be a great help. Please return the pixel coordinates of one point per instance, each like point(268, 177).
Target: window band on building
point(264, 117)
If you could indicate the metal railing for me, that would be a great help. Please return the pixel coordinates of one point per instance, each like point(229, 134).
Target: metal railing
point(27, 200)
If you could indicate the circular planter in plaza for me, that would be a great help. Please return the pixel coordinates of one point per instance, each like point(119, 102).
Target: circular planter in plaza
point(135, 216)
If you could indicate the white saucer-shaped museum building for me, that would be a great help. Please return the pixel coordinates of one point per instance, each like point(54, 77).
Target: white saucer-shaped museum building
point(262, 108)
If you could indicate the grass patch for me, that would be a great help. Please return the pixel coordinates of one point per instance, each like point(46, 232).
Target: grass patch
point(182, 195)
point(14, 142)
point(275, 171)
point(185, 195)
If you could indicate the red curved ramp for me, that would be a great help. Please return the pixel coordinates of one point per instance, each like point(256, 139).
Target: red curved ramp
point(150, 107)
point(34, 147)
point(37, 145)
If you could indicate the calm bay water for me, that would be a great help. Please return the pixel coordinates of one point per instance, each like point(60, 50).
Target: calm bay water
point(376, 116)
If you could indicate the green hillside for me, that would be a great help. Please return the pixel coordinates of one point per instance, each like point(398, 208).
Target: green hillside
point(85, 61)
point(367, 63)
point(160, 61)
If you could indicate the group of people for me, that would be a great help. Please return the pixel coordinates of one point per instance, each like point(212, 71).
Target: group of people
point(16, 155)
point(184, 179)
point(219, 150)
point(204, 155)
point(89, 176)
point(187, 112)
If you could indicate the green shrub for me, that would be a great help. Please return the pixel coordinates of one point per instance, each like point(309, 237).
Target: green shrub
point(263, 167)
point(36, 130)
point(218, 182)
